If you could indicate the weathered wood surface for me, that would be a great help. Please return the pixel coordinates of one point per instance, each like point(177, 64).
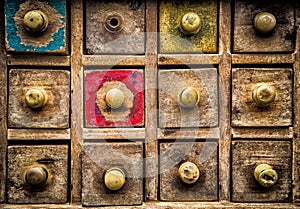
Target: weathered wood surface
point(188, 59)
point(263, 133)
point(55, 113)
point(54, 158)
point(97, 158)
point(246, 39)
point(113, 60)
point(246, 155)
point(31, 60)
point(263, 58)
point(114, 134)
point(244, 111)
point(38, 134)
point(189, 133)
point(171, 83)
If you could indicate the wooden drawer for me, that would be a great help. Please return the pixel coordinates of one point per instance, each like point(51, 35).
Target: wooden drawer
point(37, 174)
point(172, 84)
point(115, 27)
point(245, 82)
point(36, 26)
point(28, 87)
point(247, 37)
point(97, 159)
point(246, 155)
point(102, 104)
point(204, 155)
point(200, 36)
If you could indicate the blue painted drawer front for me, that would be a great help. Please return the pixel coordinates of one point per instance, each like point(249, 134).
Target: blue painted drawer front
point(53, 39)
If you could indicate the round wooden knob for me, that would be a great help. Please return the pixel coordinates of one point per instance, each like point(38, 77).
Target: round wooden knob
point(113, 23)
point(263, 95)
point(188, 172)
point(265, 175)
point(35, 21)
point(264, 22)
point(114, 98)
point(190, 23)
point(188, 97)
point(114, 179)
point(35, 98)
point(36, 176)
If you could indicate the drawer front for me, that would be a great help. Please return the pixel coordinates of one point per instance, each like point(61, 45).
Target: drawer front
point(202, 154)
point(246, 155)
point(114, 98)
point(97, 159)
point(199, 30)
point(252, 34)
point(176, 101)
point(36, 26)
point(246, 81)
point(39, 98)
point(28, 183)
point(115, 27)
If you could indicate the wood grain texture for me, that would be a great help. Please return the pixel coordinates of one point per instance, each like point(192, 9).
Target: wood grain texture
point(263, 58)
point(31, 60)
point(52, 157)
point(113, 60)
point(38, 134)
point(114, 133)
point(246, 155)
point(245, 113)
point(204, 155)
point(246, 39)
point(97, 158)
point(263, 133)
point(171, 83)
point(188, 59)
point(55, 113)
point(129, 40)
point(189, 133)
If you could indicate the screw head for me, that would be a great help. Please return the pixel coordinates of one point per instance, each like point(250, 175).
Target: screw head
point(35, 98)
point(190, 23)
point(35, 21)
point(265, 175)
point(114, 98)
point(36, 176)
point(114, 179)
point(264, 22)
point(188, 172)
point(188, 97)
point(263, 95)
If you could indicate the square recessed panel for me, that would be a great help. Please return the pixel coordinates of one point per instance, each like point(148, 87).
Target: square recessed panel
point(245, 113)
point(97, 159)
point(115, 27)
point(173, 40)
point(56, 87)
point(204, 155)
point(172, 82)
point(97, 83)
point(53, 158)
point(52, 39)
point(246, 155)
point(247, 39)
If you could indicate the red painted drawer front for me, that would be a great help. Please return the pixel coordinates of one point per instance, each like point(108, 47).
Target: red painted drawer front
point(95, 80)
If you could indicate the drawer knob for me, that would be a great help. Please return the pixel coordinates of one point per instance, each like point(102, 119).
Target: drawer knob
point(35, 21)
point(264, 22)
point(190, 23)
point(113, 23)
point(265, 175)
point(114, 179)
point(114, 98)
point(36, 176)
point(35, 98)
point(263, 95)
point(188, 172)
point(188, 97)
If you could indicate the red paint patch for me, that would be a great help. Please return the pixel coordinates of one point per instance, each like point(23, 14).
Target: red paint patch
point(94, 80)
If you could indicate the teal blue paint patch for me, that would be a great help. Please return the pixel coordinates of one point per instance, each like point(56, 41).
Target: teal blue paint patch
point(14, 41)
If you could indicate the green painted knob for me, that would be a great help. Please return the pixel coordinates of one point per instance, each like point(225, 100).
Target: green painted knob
point(188, 97)
point(35, 98)
point(114, 98)
point(264, 22)
point(188, 172)
point(35, 21)
point(190, 23)
point(263, 95)
point(265, 175)
point(114, 179)
point(36, 176)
